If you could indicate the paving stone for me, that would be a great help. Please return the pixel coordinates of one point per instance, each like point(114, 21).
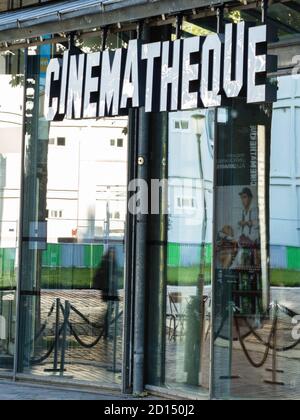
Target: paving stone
point(20, 391)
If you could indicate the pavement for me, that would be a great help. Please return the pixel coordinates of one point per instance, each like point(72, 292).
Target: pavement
point(10, 391)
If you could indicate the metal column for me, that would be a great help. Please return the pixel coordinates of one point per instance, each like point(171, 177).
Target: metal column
point(140, 252)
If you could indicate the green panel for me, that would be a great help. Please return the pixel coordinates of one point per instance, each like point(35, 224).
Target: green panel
point(98, 251)
point(45, 257)
point(7, 264)
point(173, 255)
point(293, 256)
point(93, 255)
point(208, 254)
point(7, 259)
point(52, 256)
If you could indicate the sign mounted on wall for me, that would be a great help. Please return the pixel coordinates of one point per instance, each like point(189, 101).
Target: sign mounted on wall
point(196, 72)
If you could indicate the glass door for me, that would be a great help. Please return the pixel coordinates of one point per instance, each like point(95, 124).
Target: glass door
point(72, 278)
point(11, 127)
point(180, 243)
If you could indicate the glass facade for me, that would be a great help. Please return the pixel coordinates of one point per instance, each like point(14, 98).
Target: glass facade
point(257, 310)
point(222, 263)
point(185, 255)
point(72, 253)
point(11, 128)
point(180, 238)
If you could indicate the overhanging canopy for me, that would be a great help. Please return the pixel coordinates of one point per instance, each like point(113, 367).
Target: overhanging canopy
point(80, 15)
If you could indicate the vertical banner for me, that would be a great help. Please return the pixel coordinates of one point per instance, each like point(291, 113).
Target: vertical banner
point(242, 179)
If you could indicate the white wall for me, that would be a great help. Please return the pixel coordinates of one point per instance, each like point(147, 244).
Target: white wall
point(11, 103)
point(87, 178)
point(186, 222)
point(285, 164)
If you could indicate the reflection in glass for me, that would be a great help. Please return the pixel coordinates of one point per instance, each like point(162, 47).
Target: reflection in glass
point(182, 344)
point(73, 241)
point(11, 110)
point(189, 250)
point(256, 326)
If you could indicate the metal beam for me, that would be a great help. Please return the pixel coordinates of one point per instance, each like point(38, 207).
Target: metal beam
point(280, 25)
point(292, 5)
point(74, 20)
point(287, 52)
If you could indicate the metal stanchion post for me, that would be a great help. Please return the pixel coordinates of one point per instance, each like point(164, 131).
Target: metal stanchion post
point(231, 316)
point(9, 323)
point(275, 369)
point(202, 332)
point(231, 309)
point(115, 336)
point(230, 329)
point(56, 338)
point(64, 338)
point(57, 322)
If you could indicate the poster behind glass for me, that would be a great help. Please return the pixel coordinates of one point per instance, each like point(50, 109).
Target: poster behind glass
point(241, 207)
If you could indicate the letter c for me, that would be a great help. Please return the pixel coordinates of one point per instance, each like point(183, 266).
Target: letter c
point(51, 102)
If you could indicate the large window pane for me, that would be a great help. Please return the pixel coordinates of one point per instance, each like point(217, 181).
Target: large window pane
point(189, 248)
point(256, 325)
point(73, 239)
point(180, 243)
point(11, 126)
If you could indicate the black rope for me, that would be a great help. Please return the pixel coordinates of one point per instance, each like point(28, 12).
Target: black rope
point(81, 342)
point(268, 348)
point(49, 352)
point(252, 331)
point(288, 312)
point(85, 319)
point(95, 342)
point(42, 359)
point(219, 335)
point(278, 349)
point(43, 327)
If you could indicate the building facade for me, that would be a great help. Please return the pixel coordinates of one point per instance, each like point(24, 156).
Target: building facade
point(153, 251)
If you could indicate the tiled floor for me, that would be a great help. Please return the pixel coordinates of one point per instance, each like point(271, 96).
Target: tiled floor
point(246, 381)
point(19, 391)
point(102, 363)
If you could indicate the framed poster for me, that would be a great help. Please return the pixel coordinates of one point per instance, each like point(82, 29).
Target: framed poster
point(242, 209)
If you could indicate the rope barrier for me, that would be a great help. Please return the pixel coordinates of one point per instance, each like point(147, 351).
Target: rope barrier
point(269, 344)
point(43, 358)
